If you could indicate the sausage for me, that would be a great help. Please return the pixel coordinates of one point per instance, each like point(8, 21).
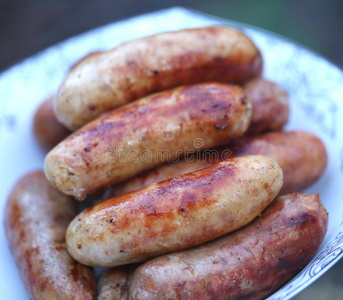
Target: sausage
point(250, 263)
point(136, 137)
point(270, 105)
point(113, 283)
point(174, 214)
point(84, 58)
point(138, 68)
point(47, 130)
point(269, 112)
point(36, 219)
point(301, 155)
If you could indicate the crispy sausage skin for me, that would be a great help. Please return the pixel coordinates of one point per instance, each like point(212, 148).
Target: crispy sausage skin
point(135, 69)
point(138, 136)
point(269, 112)
point(47, 130)
point(113, 283)
point(174, 214)
point(36, 219)
point(301, 156)
point(250, 263)
point(270, 105)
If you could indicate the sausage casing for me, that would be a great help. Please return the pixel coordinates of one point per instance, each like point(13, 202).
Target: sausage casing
point(36, 219)
point(250, 263)
point(270, 105)
point(301, 155)
point(113, 283)
point(47, 130)
point(136, 137)
point(174, 214)
point(135, 69)
point(269, 112)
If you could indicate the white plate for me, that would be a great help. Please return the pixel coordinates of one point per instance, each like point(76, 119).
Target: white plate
point(315, 86)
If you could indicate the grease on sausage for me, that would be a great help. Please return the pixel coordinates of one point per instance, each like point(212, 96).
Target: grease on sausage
point(174, 214)
point(138, 136)
point(301, 155)
point(135, 69)
point(250, 263)
point(36, 219)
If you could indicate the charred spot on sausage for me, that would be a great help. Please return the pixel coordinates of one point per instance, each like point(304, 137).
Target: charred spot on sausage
point(221, 127)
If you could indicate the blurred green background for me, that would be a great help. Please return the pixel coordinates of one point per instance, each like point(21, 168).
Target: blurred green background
point(28, 26)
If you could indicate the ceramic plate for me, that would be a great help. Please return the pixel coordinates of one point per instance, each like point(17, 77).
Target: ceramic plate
point(314, 84)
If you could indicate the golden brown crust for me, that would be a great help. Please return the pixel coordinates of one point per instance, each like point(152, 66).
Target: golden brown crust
point(109, 79)
point(301, 156)
point(36, 219)
point(250, 263)
point(113, 284)
point(47, 130)
point(138, 136)
point(174, 214)
point(269, 112)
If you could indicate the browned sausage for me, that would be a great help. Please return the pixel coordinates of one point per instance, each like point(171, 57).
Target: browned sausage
point(109, 79)
point(251, 263)
point(174, 214)
point(301, 156)
point(113, 283)
point(36, 219)
point(269, 102)
point(269, 105)
point(47, 130)
point(138, 136)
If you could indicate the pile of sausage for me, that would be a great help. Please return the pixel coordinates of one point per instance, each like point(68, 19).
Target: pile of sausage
point(192, 186)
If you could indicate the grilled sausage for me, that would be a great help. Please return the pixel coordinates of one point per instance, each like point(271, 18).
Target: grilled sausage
point(36, 219)
point(269, 112)
point(135, 69)
point(174, 214)
point(301, 156)
point(113, 283)
point(251, 263)
point(270, 108)
point(136, 137)
point(47, 130)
